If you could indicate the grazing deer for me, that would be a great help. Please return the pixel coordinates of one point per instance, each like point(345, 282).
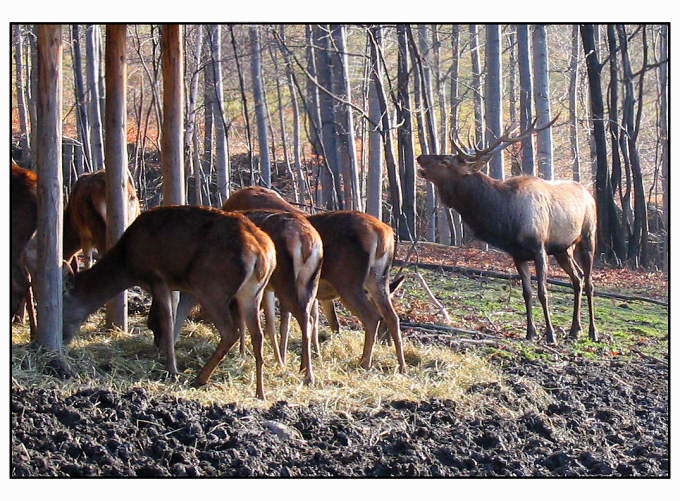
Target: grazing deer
point(222, 259)
point(527, 217)
point(85, 215)
point(295, 280)
point(358, 251)
point(23, 220)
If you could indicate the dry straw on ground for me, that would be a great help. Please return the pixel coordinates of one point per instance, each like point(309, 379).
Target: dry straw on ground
point(119, 362)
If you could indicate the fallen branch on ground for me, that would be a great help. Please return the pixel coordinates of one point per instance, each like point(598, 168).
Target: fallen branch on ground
point(475, 273)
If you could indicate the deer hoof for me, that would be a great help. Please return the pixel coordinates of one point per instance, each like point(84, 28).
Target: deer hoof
point(594, 335)
point(574, 334)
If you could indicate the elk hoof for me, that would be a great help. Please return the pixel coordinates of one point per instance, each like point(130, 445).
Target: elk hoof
point(365, 364)
point(309, 380)
point(594, 335)
point(197, 383)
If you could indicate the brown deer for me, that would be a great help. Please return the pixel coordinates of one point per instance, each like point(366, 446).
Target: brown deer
point(358, 251)
point(85, 215)
point(527, 217)
point(295, 280)
point(222, 259)
point(23, 220)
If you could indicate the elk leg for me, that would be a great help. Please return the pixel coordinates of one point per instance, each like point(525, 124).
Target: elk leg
point(162, 322)
point(284, 331)
point(525, 275)
point(566, 261)
point(270, 326)
point(541, 276)
point(586, 255)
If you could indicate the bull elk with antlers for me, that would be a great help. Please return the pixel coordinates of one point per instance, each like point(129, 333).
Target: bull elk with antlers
point(527, 217)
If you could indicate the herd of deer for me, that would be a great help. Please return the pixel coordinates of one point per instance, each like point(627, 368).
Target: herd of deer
point(236, 260)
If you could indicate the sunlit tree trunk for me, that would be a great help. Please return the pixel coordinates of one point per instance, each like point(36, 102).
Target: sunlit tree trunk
point(375, 154)
point(260, 107)
point(21, 94)
point(493, 100)
point(47, 283)
point(93, 57)
point(542, 101)
point(116, 155)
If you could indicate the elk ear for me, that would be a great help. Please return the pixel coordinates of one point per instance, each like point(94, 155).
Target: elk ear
point(67, 276)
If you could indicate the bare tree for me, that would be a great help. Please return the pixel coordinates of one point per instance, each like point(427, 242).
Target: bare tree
point(260, 107)
point(21, 94)
point(93, 58)
point(374, 177)
point(172, 154)
point(573, 113)
point(221, 143)
point(191, 145)
point(525, 96)
point(116, 155)
point(81, 108)
point(493, 100)
point(47, 283)
point(542, 100)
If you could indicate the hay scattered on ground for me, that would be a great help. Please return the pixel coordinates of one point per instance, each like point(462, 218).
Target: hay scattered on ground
point(120, 362)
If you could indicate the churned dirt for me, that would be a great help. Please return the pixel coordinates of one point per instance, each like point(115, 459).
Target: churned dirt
point(605, 419)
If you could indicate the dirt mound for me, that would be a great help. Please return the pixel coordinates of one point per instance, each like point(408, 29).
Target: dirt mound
point(605, 420)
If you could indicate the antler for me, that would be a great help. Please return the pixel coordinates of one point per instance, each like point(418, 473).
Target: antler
point(501, 143)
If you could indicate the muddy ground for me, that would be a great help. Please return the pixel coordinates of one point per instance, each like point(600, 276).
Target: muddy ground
point(607, 419)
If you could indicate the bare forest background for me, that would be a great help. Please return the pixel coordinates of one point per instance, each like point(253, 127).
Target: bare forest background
point(333, 116)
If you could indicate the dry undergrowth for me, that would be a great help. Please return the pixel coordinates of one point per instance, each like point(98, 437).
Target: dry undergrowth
point(120, 362)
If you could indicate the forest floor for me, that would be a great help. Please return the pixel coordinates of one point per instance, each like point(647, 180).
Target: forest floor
point(477, 399)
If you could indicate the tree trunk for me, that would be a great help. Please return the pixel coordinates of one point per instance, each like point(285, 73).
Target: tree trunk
point(348, 154)
point(330, 178)
point(79, 88)
point(313, 107)
point(405, 135)
point(172, 154)
point(244, 103)
point(21, 95)
point(542, 101)
point(493, 101)
point(260, 107)
point(93, 57)
point(297, 151)
point(602, 186)
point(392, 168)
point(637, 245)
point(217, 100)
point(573, 115)
point(476, 85)
point(191, 134)
point(116, 155)
point(457, 230)
point(525, 96)
point(47, 283)
point(33, 86)
point(663, 126)
point(374, 177)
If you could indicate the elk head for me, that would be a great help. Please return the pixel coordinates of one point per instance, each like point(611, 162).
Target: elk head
point(468, 159)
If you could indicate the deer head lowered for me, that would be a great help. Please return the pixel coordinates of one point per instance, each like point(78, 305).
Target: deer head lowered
point(221, 258)
point(527, 217)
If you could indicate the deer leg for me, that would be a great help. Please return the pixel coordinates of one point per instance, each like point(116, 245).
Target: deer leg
point(315, 328)
point(525, 275)
point(242, 336)
point(160, 318)
point(381, 300)
point(225, 323)
point(541, 276)
point(270, 326)
point(359, 304)
point(184, 305)
point(252, 318)
point(305, 321)
point(328, 308)
point(284, 330)
point(586, 255)
point(566, 261)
